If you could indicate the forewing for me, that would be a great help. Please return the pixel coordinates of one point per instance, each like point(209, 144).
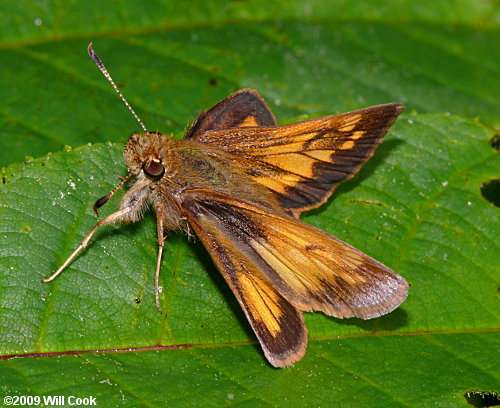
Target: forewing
point(303, 162)
point(241, 109)
point(278, 324)
point(308, 268)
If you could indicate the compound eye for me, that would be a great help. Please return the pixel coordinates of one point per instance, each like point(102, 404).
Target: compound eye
point(154, 169)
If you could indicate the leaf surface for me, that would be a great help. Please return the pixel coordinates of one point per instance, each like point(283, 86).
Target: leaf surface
point(416, 206)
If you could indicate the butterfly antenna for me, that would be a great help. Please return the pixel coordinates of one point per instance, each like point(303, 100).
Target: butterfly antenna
point(103, 69)
point(103, 200)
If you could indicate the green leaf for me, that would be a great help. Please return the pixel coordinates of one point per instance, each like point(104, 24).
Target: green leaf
point(369, 371)
point(416, 206)
point(304, 57)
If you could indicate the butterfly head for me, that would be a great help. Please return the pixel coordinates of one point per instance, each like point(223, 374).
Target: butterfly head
point(146, 153)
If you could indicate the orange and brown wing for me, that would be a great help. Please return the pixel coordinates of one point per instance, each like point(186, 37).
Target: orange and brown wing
point(277, 265)
point(303, 162)
point(277, 323)
point(241, 109)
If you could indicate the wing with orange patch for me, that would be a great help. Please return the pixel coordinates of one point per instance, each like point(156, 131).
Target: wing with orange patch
point(278, 325)
point(276, 264)
point(244, 108)
point(303, 162)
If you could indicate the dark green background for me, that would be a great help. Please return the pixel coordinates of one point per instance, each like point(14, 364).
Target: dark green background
point(416, 206)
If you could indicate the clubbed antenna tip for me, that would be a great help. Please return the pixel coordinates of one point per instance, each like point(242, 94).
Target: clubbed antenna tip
point(103, 200)
point(103, 69)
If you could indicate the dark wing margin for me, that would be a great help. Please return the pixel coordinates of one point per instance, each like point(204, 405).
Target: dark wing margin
point(311, 269)
point(302, 163)
point(278, 266)
point(278, 325)
point(240, 109)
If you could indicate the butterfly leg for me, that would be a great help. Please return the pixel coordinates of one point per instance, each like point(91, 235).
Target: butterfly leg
point(120, 215)
point(161, 241)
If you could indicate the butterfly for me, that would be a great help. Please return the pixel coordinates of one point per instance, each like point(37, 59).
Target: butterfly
point(239, 182)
